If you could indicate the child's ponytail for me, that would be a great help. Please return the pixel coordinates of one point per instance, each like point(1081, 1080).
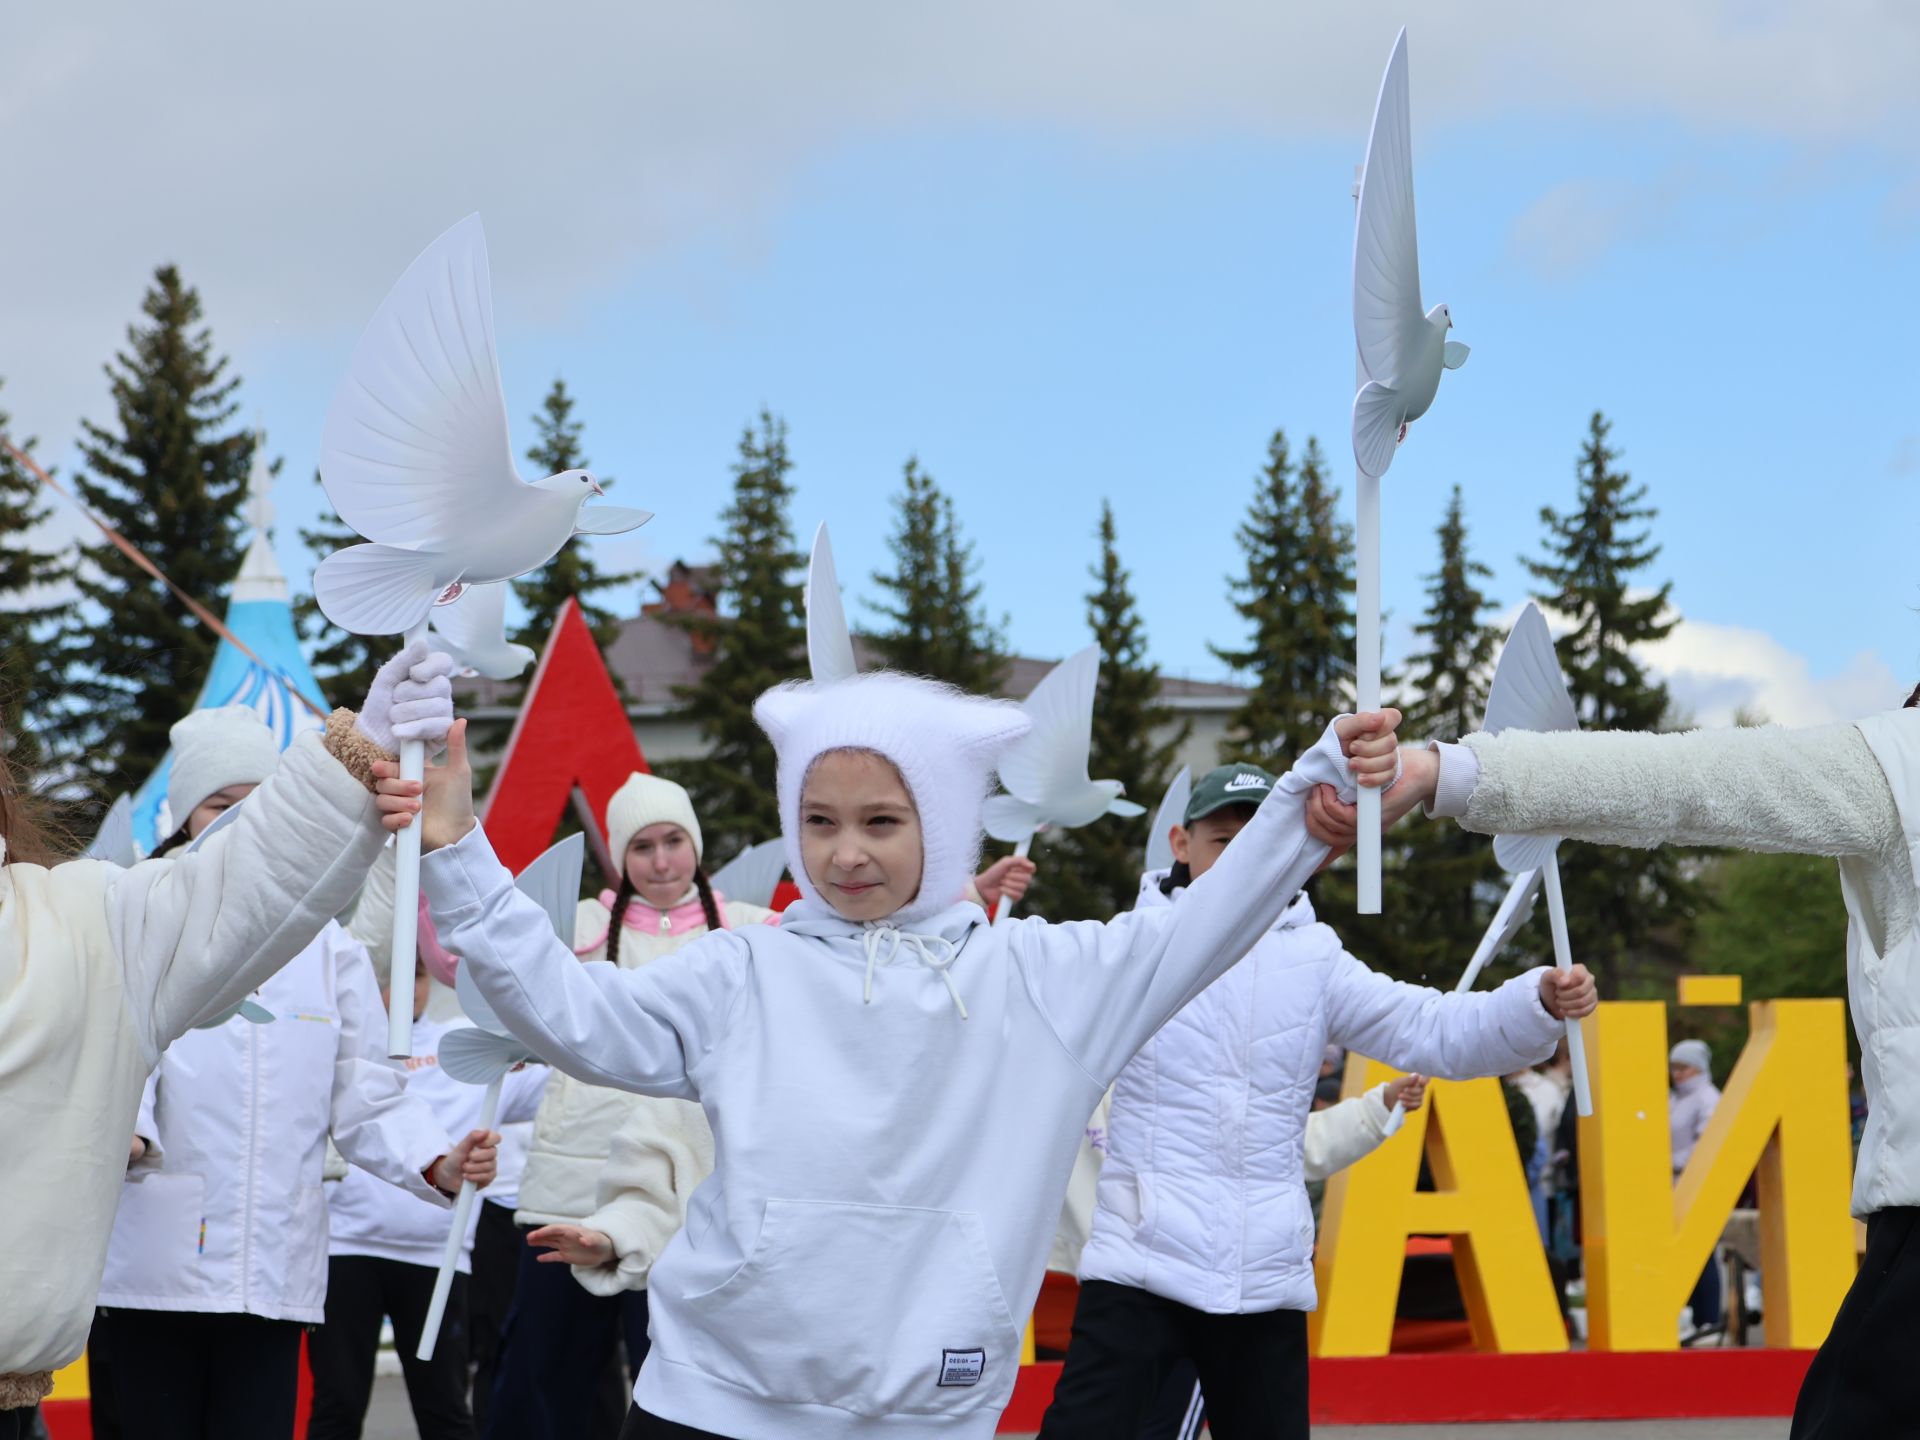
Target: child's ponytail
point(622, 898)
point(172, 842)
point(705, 887)
point(1177, 878)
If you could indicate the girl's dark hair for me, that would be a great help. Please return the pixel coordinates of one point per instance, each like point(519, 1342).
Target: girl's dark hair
point(623, 897)
point(32, 835)
point(172, 842)
point(1177, 878)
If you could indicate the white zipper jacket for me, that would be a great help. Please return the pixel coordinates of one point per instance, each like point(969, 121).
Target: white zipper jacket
point(1202, 1198)
point(889, 1167)
point(226, 1215)
point(366, 1217)
point(574, 1131)
point(100, 968)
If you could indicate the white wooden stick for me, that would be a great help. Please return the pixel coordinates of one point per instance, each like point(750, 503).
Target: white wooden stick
point(406, 898)
point(1563, 960)
point(457, 1235)
point(1005, 902)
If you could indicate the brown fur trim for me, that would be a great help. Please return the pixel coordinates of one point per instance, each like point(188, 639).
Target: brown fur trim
point(352, 749)
point(19, 1390)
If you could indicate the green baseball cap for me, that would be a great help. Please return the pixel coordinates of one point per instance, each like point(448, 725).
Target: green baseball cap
point(1228, 785)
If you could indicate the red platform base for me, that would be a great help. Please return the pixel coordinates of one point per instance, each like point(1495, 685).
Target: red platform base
point(1583, 1385)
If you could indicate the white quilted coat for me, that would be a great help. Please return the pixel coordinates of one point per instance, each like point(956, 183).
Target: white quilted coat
point(1202, 1199)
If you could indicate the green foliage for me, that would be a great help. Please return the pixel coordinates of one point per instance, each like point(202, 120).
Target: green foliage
point(935, 624)
point(1296, 595)
point(29, 670)
point(343, 662)
point(757, 641)
point(170, 476)
point(572, 572)
point(1094, 872)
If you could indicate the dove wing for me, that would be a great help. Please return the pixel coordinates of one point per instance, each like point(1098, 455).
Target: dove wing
point(1009, 819)
point(475, 630)
point(553, 883)
point(114, 841)
point(1172, 812)
point(1052, 756)
point(474, 1004)
point(1386, 255)
point(829, 642)
point(1528, 691)
point(474, 1056)
point(415, 443)
point(609, 519)
point(754, 874)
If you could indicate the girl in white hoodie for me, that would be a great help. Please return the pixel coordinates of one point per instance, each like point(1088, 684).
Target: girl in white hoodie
point(1202, 1245)
point(1849, 791)
point(101, 968)
point(896, 1089)
point(219, 1253)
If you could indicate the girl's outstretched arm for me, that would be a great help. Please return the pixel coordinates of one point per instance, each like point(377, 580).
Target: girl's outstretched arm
point(1106, 988)
point(639, 1030)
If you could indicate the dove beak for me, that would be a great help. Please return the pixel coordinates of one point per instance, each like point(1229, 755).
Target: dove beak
point(594, 485)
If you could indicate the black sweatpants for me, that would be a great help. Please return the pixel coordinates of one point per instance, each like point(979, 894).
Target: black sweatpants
point(1864, 1381)
point(1252, 1368)
point(642, 1426)
point(360, 1290)
point(496, 1262)
point(184, 1375)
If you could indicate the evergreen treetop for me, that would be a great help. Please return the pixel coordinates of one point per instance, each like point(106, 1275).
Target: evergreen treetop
point(1447, 681)
point(29, 671)
point(170, 476)
point(936, 625)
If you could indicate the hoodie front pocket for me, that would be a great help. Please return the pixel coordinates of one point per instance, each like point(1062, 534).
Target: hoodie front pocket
point(876, 1309)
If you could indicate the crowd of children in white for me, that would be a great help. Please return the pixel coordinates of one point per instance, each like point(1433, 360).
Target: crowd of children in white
point(805, 1169)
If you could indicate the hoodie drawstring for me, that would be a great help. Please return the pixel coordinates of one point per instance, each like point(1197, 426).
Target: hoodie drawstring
point(931, 951)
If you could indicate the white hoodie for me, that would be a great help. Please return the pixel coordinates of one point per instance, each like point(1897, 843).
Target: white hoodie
point(1202, 1199)
point(889, 1174)
point(225, 1213)
point(367, 1217)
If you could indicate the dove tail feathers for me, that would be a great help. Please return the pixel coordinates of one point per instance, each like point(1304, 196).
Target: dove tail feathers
point(1377, 413)
point(378, 589)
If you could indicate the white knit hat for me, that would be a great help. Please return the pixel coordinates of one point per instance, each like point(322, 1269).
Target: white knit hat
point(648, 800)
point(1692, 1052)
point(944, 743)
point(212, 749)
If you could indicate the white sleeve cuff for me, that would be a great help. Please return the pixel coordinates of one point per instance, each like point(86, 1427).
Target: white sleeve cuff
point(1459, 777)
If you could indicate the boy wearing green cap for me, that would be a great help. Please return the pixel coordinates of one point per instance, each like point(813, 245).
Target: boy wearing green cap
point(1202, 1239)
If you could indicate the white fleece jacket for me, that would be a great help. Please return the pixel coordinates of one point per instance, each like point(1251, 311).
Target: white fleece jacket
point(99, 969)
point(1848, 791)
point(888, 1173)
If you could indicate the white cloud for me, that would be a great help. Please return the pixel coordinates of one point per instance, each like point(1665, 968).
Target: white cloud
point(1713, 671)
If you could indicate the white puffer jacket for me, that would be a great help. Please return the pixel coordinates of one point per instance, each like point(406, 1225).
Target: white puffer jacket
point(225, 1214)
point(575, 1129)
point(1202, 1199)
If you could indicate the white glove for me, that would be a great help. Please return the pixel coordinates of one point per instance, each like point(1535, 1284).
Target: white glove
point(410, 699)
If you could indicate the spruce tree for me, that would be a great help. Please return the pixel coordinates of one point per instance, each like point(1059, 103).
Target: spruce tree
point(1093, 872)
point(1296, 595)
point(170, 476)
point(1618, 900)
point(758, 640)
point(343, 662)
point(572, 572)
point(29, 668)
point(936, 625)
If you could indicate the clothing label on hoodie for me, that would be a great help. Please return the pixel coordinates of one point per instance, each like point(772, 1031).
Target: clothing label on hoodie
point(962, 1367)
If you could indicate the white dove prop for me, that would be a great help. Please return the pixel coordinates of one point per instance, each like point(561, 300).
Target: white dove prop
point(1515, 909)
point(473, 630)
point(1529, 693)
point(829, 641)
point(113, 841)
point(1045, 772)
point(1172, 812)
point(754, 874)
point(1402, 349)
point(415, 456)
point(483, 1053)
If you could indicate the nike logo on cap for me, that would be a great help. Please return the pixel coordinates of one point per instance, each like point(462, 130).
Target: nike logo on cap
point(1247, 782)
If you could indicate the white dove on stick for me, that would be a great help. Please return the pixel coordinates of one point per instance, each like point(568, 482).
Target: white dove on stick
point(415, 455)
point(473, 630)
point(483, 1053)
point(113, 841)
point(1045, 772)
point(754, 874)
point(1514, 910)
point(829, 641)
point(1172, 812)
point(1403, 347)
point(1529, 693)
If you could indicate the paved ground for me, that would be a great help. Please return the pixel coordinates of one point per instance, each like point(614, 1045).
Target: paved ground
point(389, 1419)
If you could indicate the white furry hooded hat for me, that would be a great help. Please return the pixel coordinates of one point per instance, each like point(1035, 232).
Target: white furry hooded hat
point(944, 743)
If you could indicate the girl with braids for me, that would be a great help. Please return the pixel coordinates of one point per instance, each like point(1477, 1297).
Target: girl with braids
point(560, 1339)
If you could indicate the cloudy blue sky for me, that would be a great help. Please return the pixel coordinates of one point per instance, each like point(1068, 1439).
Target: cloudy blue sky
point(1059, 251)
